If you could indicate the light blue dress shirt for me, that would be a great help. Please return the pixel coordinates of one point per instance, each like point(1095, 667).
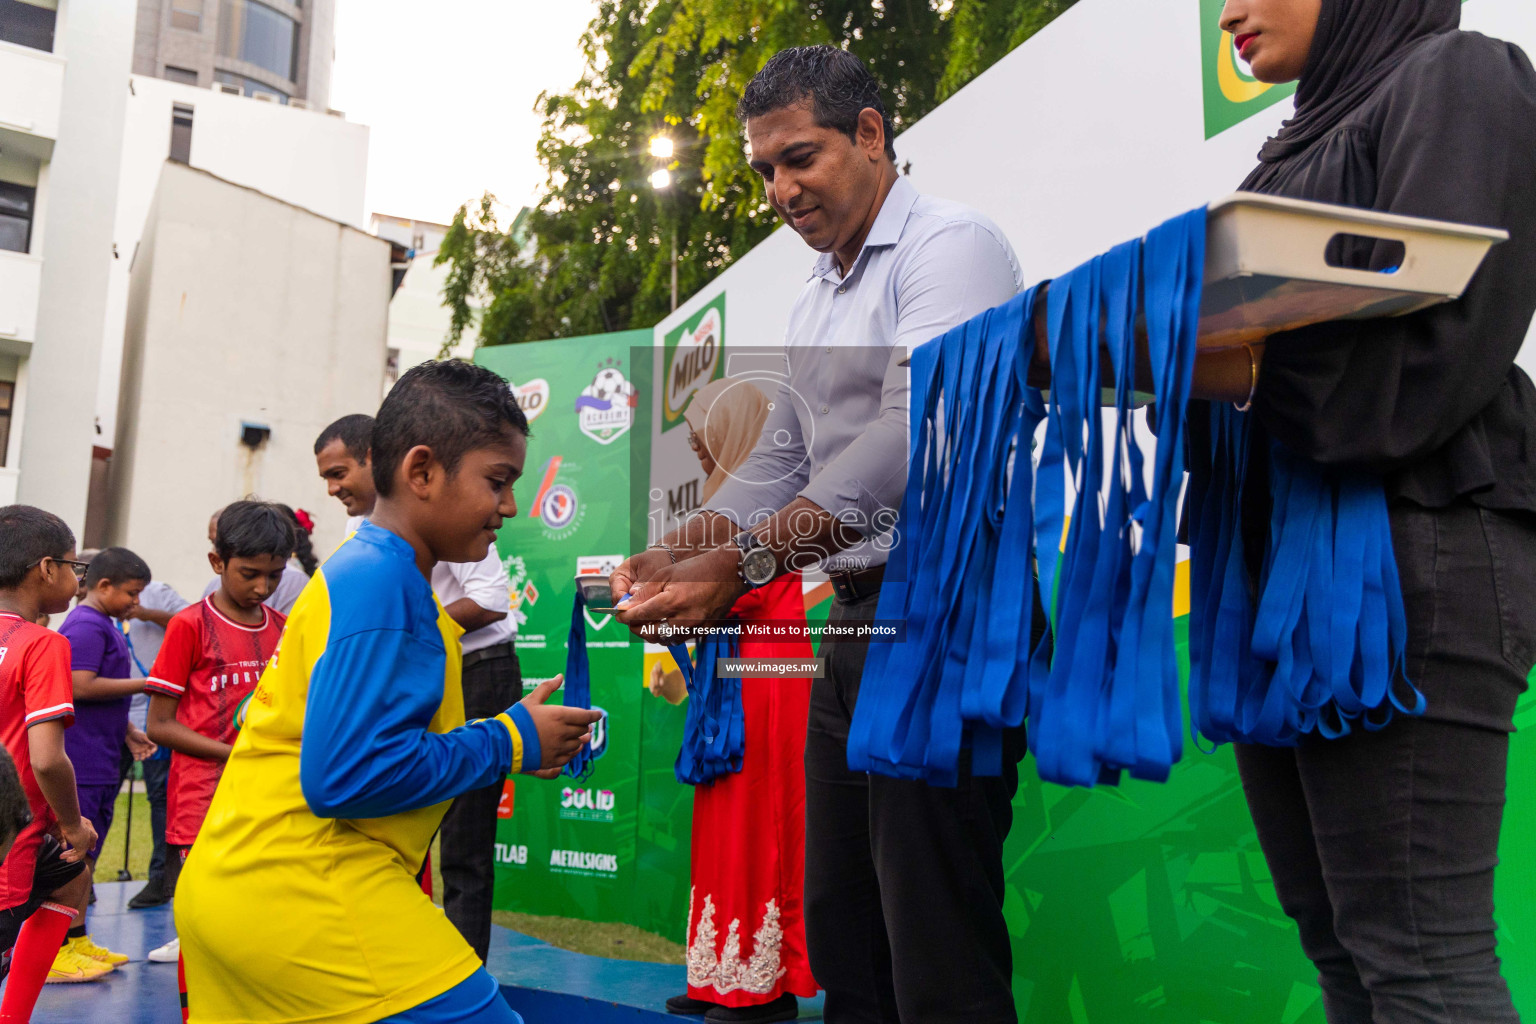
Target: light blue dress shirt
point(836, 432)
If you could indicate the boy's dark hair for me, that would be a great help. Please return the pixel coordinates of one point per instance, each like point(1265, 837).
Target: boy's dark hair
point(27, 535)
point(15, 815)
point(355, 432)
point(250, 529)
point(450, 406)
point(116, 565)
point(836, 82)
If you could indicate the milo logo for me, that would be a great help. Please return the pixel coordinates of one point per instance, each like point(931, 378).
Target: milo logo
point(532, 397)
point(1231, 94)
point(693, 359)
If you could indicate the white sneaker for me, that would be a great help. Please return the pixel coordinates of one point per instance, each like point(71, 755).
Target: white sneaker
point(166, 954)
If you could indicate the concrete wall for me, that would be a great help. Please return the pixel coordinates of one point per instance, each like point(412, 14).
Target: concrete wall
point(77, 190)
point(305, 158)
point(241, 308)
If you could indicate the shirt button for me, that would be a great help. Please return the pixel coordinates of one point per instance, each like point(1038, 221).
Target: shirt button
point(824, 410)
point(829, 348)
point(842, 289)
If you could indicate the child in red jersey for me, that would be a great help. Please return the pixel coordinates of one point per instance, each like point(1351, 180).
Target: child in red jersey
point(213, 655)
point(43, 885)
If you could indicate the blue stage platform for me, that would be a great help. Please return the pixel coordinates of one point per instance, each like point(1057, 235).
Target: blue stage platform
point(545, 984)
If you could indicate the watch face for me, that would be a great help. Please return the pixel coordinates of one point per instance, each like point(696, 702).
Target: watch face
point(757, 566)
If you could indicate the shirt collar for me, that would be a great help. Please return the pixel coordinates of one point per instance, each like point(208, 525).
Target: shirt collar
point(889, 223)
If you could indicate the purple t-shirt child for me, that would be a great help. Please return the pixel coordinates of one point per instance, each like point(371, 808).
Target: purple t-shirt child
point(95, 742)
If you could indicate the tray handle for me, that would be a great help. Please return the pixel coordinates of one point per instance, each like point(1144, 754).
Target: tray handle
point(1427, 256)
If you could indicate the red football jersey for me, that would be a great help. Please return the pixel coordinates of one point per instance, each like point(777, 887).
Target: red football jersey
point(209, 664)
point(35, 687)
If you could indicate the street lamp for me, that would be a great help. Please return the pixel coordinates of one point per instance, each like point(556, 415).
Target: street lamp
point(661, 179)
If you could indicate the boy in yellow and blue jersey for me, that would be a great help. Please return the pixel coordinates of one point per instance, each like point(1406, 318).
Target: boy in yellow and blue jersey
point(299, 901)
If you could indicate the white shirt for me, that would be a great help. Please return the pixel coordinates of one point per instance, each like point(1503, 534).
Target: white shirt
point(836, 432)
point(484, 582)
point(145, 638)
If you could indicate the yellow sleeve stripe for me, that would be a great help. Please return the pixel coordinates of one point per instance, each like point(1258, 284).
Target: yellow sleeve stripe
point(517, 742)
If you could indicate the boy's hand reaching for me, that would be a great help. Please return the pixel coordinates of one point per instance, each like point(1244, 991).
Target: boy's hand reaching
point(81, 838)
point(562, 731)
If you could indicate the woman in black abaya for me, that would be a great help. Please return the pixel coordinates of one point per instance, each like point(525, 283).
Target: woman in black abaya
point(1382, 844)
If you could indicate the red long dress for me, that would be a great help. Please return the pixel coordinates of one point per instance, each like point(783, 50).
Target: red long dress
point(746, 924)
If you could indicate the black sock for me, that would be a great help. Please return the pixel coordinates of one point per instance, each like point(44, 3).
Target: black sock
point(77, 932)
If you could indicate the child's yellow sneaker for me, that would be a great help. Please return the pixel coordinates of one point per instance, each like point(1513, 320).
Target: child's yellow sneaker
point(86, 947)
point(71, 967)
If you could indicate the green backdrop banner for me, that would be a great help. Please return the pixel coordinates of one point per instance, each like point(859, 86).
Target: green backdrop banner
point(1136, 904)
point(587, 848)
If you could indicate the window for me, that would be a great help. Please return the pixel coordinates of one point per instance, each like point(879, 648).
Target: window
point(16, 208)
point(29, 22)
point(181, 133)
point(187, 14)
point(248, 86)
point(7, 397)
point(186, 76)
point(259, 35)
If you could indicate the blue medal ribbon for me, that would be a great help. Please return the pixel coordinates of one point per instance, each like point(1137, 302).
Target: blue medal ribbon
point(578, 683)
point(714, 732)
point(1321, 649)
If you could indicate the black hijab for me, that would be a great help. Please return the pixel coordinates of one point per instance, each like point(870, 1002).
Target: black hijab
point(1357, 44)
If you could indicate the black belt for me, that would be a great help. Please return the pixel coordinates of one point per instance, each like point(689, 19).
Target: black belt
point(491, 653)
point(851, 585)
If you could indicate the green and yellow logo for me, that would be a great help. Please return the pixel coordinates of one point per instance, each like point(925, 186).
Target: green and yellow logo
point(1231, 94)
point(694, 357)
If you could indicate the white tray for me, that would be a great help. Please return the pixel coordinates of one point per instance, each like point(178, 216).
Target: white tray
point(1265, 269)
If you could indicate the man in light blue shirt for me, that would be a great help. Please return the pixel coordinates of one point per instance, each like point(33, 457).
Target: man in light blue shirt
point(903, 882)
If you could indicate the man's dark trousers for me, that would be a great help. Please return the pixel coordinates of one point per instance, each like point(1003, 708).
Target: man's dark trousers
point(493, 682)
point(903, 881)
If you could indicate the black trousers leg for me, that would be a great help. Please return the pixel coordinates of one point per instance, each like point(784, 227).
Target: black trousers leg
point(844, 921)
point(468, 837)
point(156, 774)
point(1272, 784)
point(904, 881)
point(1405, 822)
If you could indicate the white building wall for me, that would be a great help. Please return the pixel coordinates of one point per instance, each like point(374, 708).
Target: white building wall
point(242, 308)
point(77, 189)
point(306, 158)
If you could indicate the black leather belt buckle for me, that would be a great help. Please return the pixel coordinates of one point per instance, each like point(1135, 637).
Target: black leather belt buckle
point(849, 586)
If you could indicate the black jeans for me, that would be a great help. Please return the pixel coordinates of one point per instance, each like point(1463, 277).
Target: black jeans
point(156, 774)
point(468, 837)
point(1382, 845)
point(903, 881)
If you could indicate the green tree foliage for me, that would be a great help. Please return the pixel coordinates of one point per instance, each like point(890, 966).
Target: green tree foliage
point(595, 253)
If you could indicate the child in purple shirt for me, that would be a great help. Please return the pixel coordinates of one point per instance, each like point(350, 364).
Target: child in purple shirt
point(101, 668)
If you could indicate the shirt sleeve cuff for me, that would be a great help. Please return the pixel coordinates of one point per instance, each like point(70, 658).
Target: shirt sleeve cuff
point(526, 755)
point(164, 687)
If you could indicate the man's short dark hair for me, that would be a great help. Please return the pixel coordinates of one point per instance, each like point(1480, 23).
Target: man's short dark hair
point(836, 82)
point(355, 432)
point(116, 565)
point(250, 529)
point(28, 534)
point(15, 815)
point(451, 407)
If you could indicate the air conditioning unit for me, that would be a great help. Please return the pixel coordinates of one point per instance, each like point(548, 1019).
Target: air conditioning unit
point(226, 88)
point(298, 104)
point(265, 97)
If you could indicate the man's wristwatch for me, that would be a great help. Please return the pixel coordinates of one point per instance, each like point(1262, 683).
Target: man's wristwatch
point(757, 566)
